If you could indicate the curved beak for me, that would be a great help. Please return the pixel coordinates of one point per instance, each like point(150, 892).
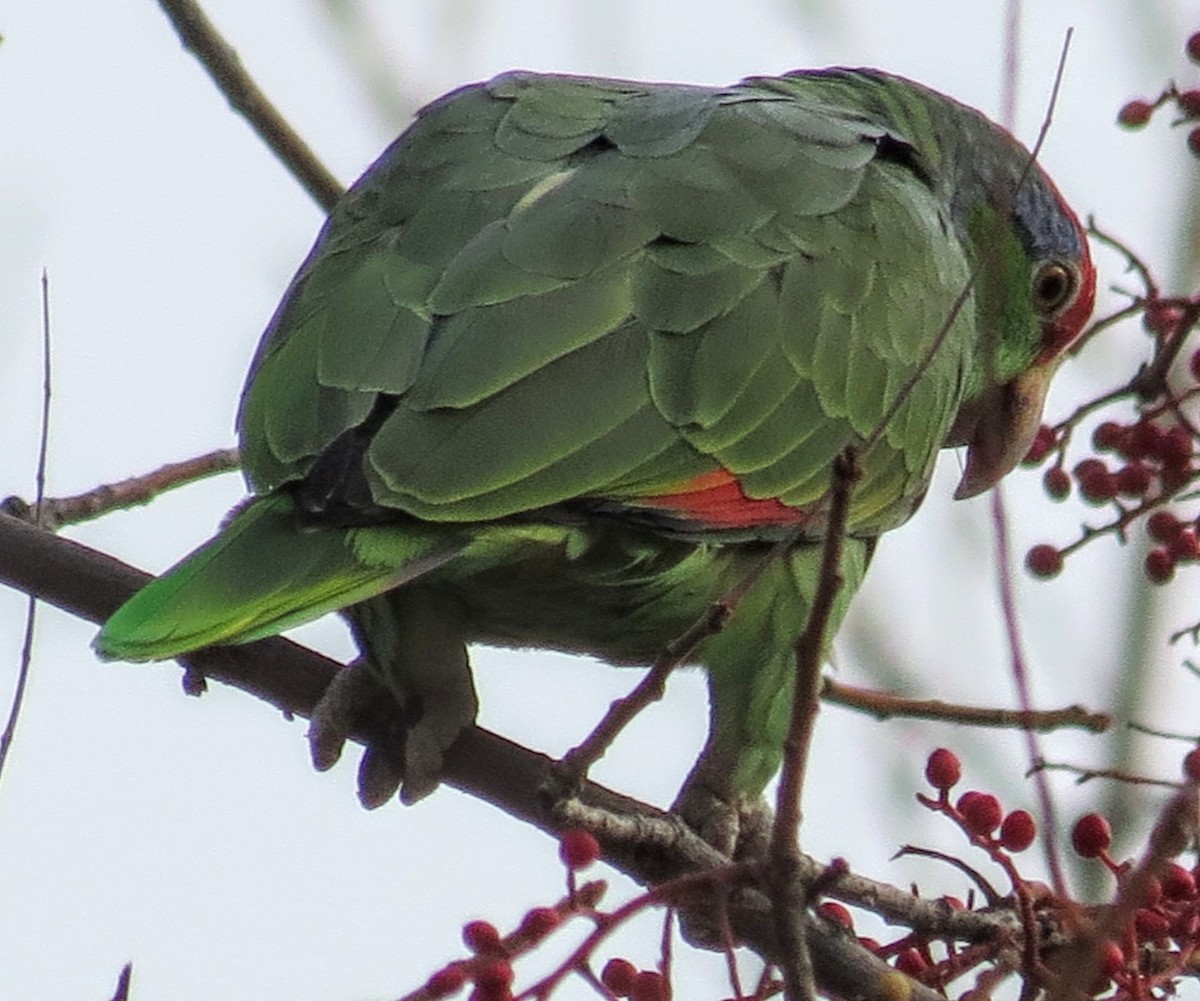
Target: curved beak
point(999, 428)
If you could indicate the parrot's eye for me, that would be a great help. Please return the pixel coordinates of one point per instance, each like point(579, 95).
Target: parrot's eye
point(1053, 289)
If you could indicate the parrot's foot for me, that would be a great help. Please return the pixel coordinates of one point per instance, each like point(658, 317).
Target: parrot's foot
point(355, 693)
point(737, 827)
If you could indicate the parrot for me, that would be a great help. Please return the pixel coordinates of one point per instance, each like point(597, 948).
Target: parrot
point(573, 360)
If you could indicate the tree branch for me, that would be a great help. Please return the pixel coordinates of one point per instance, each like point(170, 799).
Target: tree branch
point(220, 60)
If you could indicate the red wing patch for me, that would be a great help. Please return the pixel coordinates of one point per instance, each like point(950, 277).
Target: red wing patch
point(716, 500)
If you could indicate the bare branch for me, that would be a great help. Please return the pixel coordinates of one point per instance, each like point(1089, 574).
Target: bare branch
point(219, 59)
point(884, 705)
point(59, 511)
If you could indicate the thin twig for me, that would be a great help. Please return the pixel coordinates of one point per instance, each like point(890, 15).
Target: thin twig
point(220, 60)
point(621, 712)
point(18, 698)
point(1008, 602)
point(884, 705)
point(132, 492)
point(787, 894)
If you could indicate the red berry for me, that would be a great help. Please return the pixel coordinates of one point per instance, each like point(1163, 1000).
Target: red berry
point(540, 922)
point(1134, 114)
point(1134, 480)
point(1043, 442)
point(1018, 831)
point(494, 973)
point(943, 769)
point(1163, 526)
point(981, 811)
point(448, 980)
point(1175, 446)
point(1141, 439)
point(1150, 925)
point(1056, 483)
point(1185, 547)
point(834, 911)
point(578, 848)
point(1189, 103)
point(1191, 765)
point(1178, 883)
point(1175, 478)
point(1193, 141)
point(618, 975)
point(1044, 561)
point(1108, 436)
point(1160, 565)
point(1091, 836)
point(649, 985)
point(1112, 958)
point(1098, 486)
point(481, 936)
point(911, 961)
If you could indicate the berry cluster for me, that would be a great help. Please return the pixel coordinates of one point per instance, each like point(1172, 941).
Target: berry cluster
point(489, 967)
point(1149, 464)
point(1137, 113)
point(1141, 955)
point(1137, 467)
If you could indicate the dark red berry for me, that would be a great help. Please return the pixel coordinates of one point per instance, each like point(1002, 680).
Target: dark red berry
point(1178, 883)
point(1141, 440)
point(618, 975)
point(834, 911)
point(1112, 958)
point(1134, 480)
point(1151, 926)
point(1161, 318)
point(1018, 831)
point(1175, 478)
point(1091, 836)
point(1163, 526)
point(1175, 446)
point(448, 980)
point(1134, 114)
point(943, 769)
point(494, 973)
point(1191, 765)
point(1193, 141)
point(1160, 565)
point(1044, 561)
point(649, 985)
point(578, 848)
point(481, 936)
point(540, 922)
point(911, 961)
point(1185, 547)
point(1108, 436)
point(1056, 483)
point(981, 811)
point(1089, 467)
point(1098, 486)
point(1043, 442)
point(1189, 103)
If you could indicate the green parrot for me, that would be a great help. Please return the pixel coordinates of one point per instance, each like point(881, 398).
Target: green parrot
point(574, 354)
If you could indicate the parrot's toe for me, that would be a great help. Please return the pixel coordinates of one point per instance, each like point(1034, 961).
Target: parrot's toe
point(349, 693)
point(739, 828)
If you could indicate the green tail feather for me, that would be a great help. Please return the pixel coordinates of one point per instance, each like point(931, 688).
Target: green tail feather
point(263, 573)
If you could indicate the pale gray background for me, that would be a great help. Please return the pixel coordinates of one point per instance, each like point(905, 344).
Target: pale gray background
point(190, 836)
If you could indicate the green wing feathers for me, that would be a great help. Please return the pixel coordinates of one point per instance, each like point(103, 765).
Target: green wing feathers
point(572, 288)
point(266, 572)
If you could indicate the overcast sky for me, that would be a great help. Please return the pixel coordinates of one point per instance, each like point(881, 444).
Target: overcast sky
point(190, 836)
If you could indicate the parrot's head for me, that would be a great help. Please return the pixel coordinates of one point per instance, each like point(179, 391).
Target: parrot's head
point(1034, 287)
